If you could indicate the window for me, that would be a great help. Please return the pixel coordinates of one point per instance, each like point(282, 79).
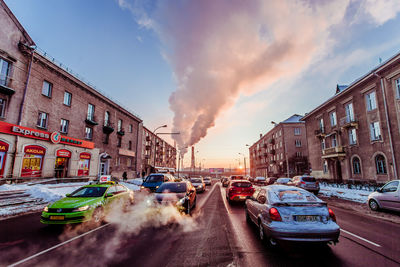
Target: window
point(398, 87)
point(106, 118)
point(89, 133)
point(280, 143)
point(119, 126)
point(332, 116)
point(90, 112)
point(349, 112)
point(2, 107)
point(280, 132)
point(352, 136)
point(334, 140)
point(130, 145)
point(42, 119)
point(281, 156)
point(321, 125)
point(5, 67)
point(130, 128)
point(325, 166)
point(119, 142)
point(375, 131)
point(298, 154)
point(297, 143)
point(371, 101)
point(356, 166)
point(67, 98)
point(391, 187)
point(380, 163)
point(297, 131)
point(64, 126)
point(323, 145)
point(47, 88)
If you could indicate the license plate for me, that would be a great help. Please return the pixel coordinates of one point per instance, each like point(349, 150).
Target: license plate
point(307, 218)
point(57, 218)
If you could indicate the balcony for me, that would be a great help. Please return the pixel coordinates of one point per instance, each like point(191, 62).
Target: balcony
point(108, 128)
point(265, 154)
point(272, 152)
point(320, 133)
point(348, 122)
point(333, 152)
point(91, 120)
point(5, 82)
point(271, 141)
point(148, 147)
point(121, 132)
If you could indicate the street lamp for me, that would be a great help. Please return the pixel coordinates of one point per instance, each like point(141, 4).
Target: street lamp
point(244, 159)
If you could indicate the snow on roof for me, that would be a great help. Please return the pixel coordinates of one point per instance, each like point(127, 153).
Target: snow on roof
point(293, 119)
point(340, 88)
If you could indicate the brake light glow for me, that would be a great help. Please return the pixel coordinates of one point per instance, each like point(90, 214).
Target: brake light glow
point(332, 215)
point(274, 214)
point(302, 182)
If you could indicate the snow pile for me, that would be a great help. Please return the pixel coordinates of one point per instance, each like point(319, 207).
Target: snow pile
point(355, 195)
point(131, 186)
point(136, 181)
point(50, 194)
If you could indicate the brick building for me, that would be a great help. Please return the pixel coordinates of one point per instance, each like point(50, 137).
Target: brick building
point(355, 135)
point(165, 154)
point(285, 144)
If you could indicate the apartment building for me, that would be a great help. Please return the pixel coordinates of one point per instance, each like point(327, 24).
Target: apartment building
point(355, 134)
point(284, 145)
point(52, 123)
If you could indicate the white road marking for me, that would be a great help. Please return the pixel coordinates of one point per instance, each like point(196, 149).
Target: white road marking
point(56, 246)
point(359, 237)
point(204, 200)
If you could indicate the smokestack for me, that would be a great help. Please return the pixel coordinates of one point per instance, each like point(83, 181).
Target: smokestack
point(192, 157)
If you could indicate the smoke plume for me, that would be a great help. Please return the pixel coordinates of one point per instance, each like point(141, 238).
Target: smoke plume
point(221, 49)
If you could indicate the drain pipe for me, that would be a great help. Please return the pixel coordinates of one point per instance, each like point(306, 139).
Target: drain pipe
point(388, 125)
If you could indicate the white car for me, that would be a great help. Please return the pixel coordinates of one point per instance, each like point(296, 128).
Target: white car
point(259, 180)
point(386, 197)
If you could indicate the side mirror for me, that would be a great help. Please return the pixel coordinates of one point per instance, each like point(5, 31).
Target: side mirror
point(379, 190)
point(68, 195)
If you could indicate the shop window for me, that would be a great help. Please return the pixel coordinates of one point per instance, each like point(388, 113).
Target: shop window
point(32, 161)
point(67, 98)
point(371, 101)
point(47, 88)
point(380, 163)
point(42, 119)
point(5, 68)
point(356, 165)
point(3, 157)
point(89, 133)
point(64, 126)
point(375, 131)
point(2, 107)
point(90, 114)
point(84, 164)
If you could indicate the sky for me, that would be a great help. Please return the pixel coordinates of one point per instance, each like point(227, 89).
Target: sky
point(217, 71)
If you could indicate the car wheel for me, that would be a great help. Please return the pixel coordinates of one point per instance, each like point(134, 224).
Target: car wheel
point(373, 205)
point(98, 216)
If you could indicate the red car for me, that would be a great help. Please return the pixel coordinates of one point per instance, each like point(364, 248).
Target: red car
point(238, 190)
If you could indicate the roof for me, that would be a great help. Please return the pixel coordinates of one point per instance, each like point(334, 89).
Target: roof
point(293, 119)
point(340, 88)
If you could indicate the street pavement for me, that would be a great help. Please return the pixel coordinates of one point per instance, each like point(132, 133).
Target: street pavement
point(219, 236)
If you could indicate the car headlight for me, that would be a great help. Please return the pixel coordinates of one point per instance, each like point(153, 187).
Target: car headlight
point(181, 201)
point(81, 208)
point(46, 209)
point(142, 187)
point(157, 186)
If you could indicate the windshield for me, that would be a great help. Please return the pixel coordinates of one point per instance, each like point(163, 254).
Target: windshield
point(292, 195)
point(172, 188)
point(89, 192)
point(154, 178)
point(196, 180)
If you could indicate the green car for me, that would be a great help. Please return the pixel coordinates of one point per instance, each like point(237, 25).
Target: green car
point(88, 203)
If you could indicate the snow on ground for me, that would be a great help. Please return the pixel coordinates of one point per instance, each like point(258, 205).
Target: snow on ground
point(355, 195)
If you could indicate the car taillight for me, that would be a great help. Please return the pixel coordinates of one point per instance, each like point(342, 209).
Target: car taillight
point(302, 182)
point(274, 214)
point(332, 215)
point(316, 183)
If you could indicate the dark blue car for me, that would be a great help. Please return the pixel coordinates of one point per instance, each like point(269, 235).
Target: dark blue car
point(154, 180)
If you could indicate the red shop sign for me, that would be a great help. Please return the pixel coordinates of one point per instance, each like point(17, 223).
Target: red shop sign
point(63, 153)
point(3, 147)
point(85, 155)
point(36, 150)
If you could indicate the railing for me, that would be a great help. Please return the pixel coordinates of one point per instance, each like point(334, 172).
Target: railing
point(320, 131)
point(348, 121)
point(333, 150)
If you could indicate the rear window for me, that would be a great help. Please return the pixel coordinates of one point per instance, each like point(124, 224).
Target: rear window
point(292, 196)
point(241, 184)
point(309, 179)
point(155, 178)
point(237, 177)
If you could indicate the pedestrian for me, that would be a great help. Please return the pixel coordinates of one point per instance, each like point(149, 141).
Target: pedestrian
point(125, 176)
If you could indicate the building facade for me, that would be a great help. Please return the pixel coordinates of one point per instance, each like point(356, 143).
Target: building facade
point(156, 153)
point(52, 124)
point(355, 135)
point(284, 145)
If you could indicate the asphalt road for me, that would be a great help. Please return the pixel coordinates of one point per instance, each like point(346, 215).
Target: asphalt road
point(215, 235)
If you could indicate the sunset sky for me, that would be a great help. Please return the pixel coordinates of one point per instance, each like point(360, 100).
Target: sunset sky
point(218, 71)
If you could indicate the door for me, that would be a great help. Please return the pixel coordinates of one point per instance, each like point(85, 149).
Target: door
point(61, 167)
point(338, 172)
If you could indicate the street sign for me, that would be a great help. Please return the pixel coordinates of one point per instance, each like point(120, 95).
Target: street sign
point(105, 178)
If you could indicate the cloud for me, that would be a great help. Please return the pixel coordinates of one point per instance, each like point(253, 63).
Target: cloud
point(219, 50)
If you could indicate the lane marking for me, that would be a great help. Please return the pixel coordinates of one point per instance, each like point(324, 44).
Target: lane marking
point(361, 238)
point(56, 246)
point(204, 200)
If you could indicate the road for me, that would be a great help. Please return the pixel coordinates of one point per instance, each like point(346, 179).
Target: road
point(215, 235)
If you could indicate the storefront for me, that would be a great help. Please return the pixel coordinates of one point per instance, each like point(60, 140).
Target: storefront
point(3, 157)
point(33, 161)
point(62, 163)
point(84, 164)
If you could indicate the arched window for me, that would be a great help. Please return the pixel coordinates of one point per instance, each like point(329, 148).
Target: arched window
point(356, 165)
point(107, 118)
point(380, 163)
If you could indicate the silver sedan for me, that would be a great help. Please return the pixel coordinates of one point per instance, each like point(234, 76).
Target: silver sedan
point(288, 213)
point(386, 197)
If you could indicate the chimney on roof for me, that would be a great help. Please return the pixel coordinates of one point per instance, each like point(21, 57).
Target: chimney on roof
point(260, 135)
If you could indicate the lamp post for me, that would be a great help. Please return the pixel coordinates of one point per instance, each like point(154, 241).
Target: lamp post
point(244, 160)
